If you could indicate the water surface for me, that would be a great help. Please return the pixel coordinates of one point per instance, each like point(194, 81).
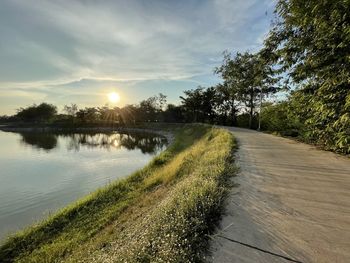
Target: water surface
point(42, 172)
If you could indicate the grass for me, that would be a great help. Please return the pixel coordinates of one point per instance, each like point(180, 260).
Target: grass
point(162, 213)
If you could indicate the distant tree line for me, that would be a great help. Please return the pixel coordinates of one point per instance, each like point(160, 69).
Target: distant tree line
point(216, 105)
point(306, 54)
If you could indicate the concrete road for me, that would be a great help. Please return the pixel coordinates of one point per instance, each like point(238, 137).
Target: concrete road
point(291, 204)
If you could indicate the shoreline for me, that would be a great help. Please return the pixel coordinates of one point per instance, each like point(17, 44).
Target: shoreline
point(141, 204)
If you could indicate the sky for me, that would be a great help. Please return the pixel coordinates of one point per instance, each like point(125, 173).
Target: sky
point(72, 51)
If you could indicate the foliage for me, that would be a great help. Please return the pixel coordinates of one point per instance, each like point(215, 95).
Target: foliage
point(249, 77)
point(312, 41)
point(151, 108)
point(244, 120)
point(279, 118)
point(174, 113)
point(41, 112)
point(198, 104)
point(89, 114)
point(71, 110)
point(226, 104)
point(5, 119)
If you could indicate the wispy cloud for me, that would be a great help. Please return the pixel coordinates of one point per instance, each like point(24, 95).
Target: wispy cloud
point(53, 45)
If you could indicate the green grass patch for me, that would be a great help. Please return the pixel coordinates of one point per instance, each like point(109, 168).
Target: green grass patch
point(162, 213)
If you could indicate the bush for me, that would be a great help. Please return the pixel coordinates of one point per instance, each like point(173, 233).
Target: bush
point(278, 118)
point(41, 112)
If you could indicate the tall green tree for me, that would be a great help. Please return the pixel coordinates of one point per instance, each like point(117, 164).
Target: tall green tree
point(199, 104)
point(312, 41)
point(192, 103)
point(230, 92)
point(227, 104)
point(249, 77)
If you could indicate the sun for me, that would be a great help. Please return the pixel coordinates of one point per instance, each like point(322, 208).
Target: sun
point(113, 97)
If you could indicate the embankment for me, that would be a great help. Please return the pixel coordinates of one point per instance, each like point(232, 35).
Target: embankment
point(166, 211)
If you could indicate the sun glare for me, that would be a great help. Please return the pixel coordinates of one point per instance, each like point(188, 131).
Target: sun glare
point(113, 97)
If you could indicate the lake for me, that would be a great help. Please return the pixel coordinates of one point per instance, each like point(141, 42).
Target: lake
point(42, 172)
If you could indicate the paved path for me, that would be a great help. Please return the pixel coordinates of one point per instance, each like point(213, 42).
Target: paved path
point(291, 200)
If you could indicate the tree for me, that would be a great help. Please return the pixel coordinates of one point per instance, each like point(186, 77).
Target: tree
point(128, 114)
point(191, 103)
point(280, 117)
point(173, 113)
point(161, 101)
point(230, 91)
point(226, 104)
point(248, 77)
point(160, 106)
point(5, 118)
point(42, 112)
point(89, 114)
point(109, 115)
point(148, 109)
point(199, 104)
point(71, 109)
point(208, 106)
point(312, 42)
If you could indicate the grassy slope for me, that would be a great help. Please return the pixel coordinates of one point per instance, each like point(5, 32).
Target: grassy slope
point(160, 213)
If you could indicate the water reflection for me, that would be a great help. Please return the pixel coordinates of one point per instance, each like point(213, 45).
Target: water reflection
point(55, 169)
point(146, 142)
point(44, 141)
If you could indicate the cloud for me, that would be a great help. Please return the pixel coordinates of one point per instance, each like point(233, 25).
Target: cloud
point(45, 44)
